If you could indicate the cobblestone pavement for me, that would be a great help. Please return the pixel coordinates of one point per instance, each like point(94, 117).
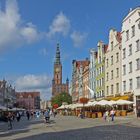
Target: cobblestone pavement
point(73, 128)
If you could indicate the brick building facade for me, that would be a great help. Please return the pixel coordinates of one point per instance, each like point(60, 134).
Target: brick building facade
point(28, 100)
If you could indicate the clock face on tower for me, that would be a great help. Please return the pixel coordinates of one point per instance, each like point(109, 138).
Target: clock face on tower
point(57, 69)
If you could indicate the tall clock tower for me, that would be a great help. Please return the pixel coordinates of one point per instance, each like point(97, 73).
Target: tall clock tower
point(57, 85)
point(57, 67)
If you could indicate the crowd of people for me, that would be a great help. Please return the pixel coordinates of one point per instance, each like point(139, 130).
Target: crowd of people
point(11, 117)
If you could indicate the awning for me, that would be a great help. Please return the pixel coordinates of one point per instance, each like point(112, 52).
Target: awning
point(124, 97)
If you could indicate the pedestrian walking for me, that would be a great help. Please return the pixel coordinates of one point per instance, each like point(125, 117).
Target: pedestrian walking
point(112, 114)
point(9, 119)
point(28, 115)
point(47, 116)
point(107, 115)
point(18, 116)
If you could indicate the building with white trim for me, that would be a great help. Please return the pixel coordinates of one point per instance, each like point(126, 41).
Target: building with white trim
point(113, 65)
point(131, 55)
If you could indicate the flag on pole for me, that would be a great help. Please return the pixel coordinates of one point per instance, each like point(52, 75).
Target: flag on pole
point(91, 91)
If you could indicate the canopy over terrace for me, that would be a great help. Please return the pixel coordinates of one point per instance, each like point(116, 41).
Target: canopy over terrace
point(101, 103)
point(123, 102)
point(70, 106)
point(90, 103)
point(105, 102)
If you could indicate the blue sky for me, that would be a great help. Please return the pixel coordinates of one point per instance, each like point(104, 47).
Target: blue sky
point(30, 29)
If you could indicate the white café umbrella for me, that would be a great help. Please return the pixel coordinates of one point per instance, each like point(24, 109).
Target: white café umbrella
point(104, 102)
point(61, 107)
point(123, 102)
point(90, 103)
point(113, 102)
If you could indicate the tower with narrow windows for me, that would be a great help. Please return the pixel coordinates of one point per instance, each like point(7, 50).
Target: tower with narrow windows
point(57, 85)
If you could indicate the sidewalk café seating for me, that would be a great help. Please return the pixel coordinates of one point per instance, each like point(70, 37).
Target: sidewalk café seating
point(123, 113)
point(93, 115)
point(99, 114)
point(89, 114)
point(130, 113)
point(86, 114)
point(118, 113)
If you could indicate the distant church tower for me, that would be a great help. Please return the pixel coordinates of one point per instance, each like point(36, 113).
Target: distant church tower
point(57, 86)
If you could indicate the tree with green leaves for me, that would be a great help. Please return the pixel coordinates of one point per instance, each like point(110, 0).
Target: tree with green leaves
point(61, 98)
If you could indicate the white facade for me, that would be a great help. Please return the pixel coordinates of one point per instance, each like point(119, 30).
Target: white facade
point(131, 53)
point(113, 65)
point(92, 73)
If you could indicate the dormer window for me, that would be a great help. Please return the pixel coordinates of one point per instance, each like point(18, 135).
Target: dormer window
point(127, 35)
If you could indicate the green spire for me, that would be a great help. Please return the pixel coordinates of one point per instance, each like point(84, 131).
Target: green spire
point(57, 58)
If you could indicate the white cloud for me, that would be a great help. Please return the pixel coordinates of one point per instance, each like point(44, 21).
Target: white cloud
point(78, 38)
point(60, 24)
point(30, 82)
point(12, 29)
point(30, 33)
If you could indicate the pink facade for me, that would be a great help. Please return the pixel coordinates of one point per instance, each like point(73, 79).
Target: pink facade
point(28, 100)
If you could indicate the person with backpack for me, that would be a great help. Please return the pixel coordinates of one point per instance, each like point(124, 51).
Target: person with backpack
point(47, 116)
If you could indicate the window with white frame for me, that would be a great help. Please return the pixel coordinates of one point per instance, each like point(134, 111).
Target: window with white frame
point(100, 59)
point(138, 81)
point(130, 67)
point(133, 30)
point(107, 90)
point(138, 45)
point(112, 74)
point(97, 72)
point(127, 35)
point(124, 69)
point(124, 85)
point(99, 93)
point(130, 84)
point(111, 60)
point(138, 64)
point(102, 69)
point(111, 45)
point(102, 93)
point(139, 25)
point(124, 54)
point(117, 87)
point(117, 57)
point(117, 72)
point(111, 89)
point(107, 76)
point(106, 62)
point(130, 49)
point(102, 81)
